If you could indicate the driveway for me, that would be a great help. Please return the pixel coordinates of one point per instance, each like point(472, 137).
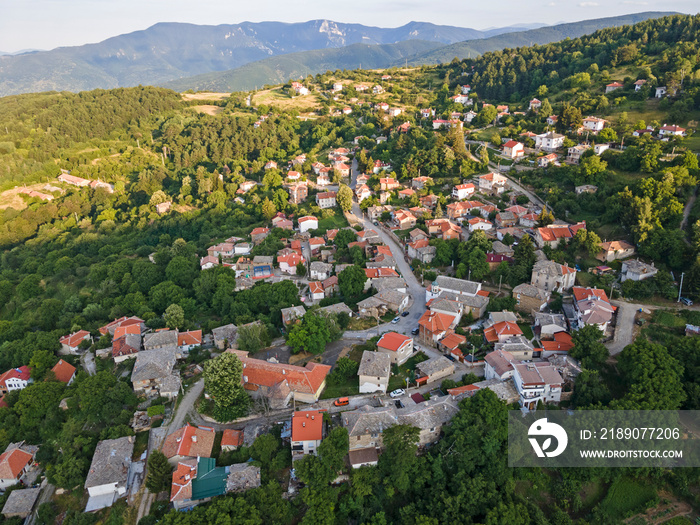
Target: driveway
point(87, 359)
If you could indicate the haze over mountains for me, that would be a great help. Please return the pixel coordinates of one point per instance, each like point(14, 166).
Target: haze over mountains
point(267, 52)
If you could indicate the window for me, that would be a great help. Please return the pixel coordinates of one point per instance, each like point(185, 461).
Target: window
point(432, 429)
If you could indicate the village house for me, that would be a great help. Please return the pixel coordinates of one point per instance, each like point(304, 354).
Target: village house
point(534, 105)
point(575, 152)
point(152, 372)
point(501, 326)
point(399, 347)
point(506, 219)
point(404, 219)
point(20, 503)
point(450, 345)
point(498, 365)
point(615, 250)
point(160, 339)
point(307, 223)
point(394, 300)
point(279, 382)
point(546, 160)
point(463, 191)
point(388, 184)
point(549, 141)
point(366, 425)
point(15, 379)
point(594, 124)
point(298, 192)
point(292, 314)
point(15, 462)
point(231, 439)
point(64, 372)
point(406, 193)
point(316, 291)
point(326, 199)
point(371, 307)
point(320, 271)
point(518, 346)
point(552, 120)
point(529, 298)
point(419, 183)
point(163, 207)
point(434, 369)
point(70, 344)
point(189, 340)
point(553, 234)
point(592, 306)
point(374, 372)
point(421, 250)
point(585, 188)
point(513, 149)
point(300, 90)
point(660, 91)
point(609, 88)
point(639, 84)
point(108, 477)
point(671, 131)
point(258, 235)
point(537, 382)
point(223, 335)
point(188, 442)
point(492, 183)
point(457, 210)
point(307, 433)
point(73, 180)
point(433, 326)
point(637, 270)
point(551, 276)
point(546, 326)
point(122, 322)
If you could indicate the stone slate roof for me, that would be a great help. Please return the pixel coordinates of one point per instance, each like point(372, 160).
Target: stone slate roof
point(227, 332)
point(429, 414)
point(377, 364)
point(529, 290)
point(433, 365)
point(335, 309)
point(542, 319)
point(157, 339)
point(153, 364)
point(21, 502)
point(369, 420)
point(389, 283)
point(462, 286)
point(242, 477)
point(318, 266)
point(111, 462)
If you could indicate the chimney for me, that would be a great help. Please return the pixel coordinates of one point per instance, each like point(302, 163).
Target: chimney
point(194, 439)
point(303, 424)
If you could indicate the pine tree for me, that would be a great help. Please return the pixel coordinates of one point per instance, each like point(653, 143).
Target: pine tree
point(159, 471)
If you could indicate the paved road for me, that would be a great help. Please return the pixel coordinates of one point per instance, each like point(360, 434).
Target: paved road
point(515, 185)
point(176, 422)
point(624, 326)
point(88, 361)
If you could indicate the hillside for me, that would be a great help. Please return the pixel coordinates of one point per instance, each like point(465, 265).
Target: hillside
point(544, 35)
point(168, 51)
point(279, 69)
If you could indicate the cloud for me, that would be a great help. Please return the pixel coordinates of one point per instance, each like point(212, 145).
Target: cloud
point(588, 4)
point(634, 2)
point(552, 4)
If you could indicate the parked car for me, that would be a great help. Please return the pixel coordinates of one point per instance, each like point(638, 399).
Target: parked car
point(342, 401)
point(686, 301)
point(404, 314)
point(415, 331)
point(395, 320)
point(399, 403)
point(398, 392)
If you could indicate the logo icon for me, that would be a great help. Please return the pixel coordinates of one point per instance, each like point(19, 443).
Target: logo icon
point(542, 428)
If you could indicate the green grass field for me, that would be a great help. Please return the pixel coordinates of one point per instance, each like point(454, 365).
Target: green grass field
point(626, 497)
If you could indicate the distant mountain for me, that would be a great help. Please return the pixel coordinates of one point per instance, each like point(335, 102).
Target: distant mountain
point(169, 51)
point(20, 52)
point(545, 35)
point(279, 69)
point(282, 68)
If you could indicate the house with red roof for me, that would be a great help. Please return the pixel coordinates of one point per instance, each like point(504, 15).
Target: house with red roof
point(592, 306)
point(298, 192)
point(463, 391)
point(288, 263)
point(307, 432)
point(231, 439)
point(388, 184)
point(499, 365)
point(186, 341)
point(15, 379)
point(492, 183)
point(561, 345)
point(15, 462)
point(553, 234)
point(64, 372)
point(280, 382)
point(121, 331)
point(307, 223)
point(122, 321)
point(258, 235)
point(551, 276)
point(501, 326)
point(671, 130)
point(463, 191)
point(404, 219)
point(433, 326)
point(613, 86)
point(398, 346)
point(316, 292)
point(450, 345)
point(70, 343)
point(188, 442)
point(513, 149)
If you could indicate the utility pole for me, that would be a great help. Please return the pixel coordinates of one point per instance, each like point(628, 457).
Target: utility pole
point(500, 280)
point(680, 289)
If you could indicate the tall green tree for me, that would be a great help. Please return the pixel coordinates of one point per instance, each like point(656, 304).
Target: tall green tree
point(223, 381)
point(159, 472)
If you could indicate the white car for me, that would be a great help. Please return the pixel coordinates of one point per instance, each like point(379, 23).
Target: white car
point(398, 392)
point(395, 320)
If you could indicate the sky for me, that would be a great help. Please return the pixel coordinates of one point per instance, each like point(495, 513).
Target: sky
point(47, 24)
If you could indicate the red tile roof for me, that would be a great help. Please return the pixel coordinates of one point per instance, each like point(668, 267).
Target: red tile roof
point(12, 462)
point(435, 321)
point(581, 293)
point(315, 287)
point(393, 341)
point(492, 333)
point(122, 321)
point(121, 331)
point(189, 441)
point(63, 371)
point(306, 379)
point(23, 373)
point(373, 273)
point(193, 337)
point(232, 438)
point(74, 339)
point(462, 389)
point(307, 425)
point(453, 340)
point(181, 486)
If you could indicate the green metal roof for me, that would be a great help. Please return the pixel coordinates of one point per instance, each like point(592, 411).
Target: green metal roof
point(210, 480)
